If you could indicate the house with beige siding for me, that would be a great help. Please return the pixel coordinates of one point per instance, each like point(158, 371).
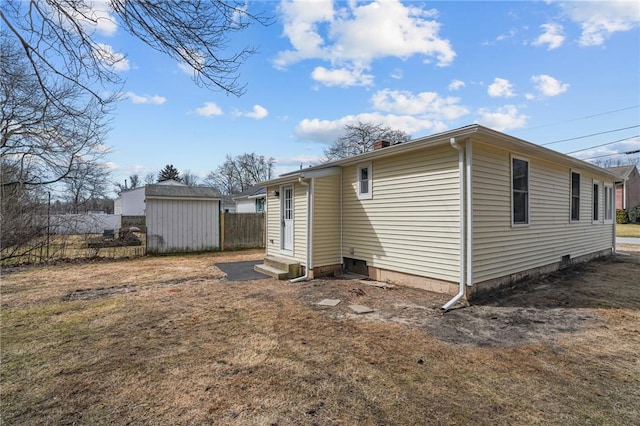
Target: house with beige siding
point(458, 212)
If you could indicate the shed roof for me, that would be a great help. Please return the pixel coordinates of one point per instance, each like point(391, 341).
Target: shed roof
point(191, 192)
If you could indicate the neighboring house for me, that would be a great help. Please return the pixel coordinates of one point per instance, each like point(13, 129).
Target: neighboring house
point(182, 218)
point(458, 212)
point(252, 200)
point(131, 202)
point(228, 204)
point(627, 186)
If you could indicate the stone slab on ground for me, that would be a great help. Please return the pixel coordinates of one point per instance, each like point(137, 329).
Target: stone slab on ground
point(329, 302)
point(360, 309)
point(377, 284)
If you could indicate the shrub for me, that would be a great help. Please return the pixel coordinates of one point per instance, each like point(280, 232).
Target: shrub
point(622, 216)
point(634, 214)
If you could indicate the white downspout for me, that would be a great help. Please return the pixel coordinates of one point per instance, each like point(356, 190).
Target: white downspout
point(469, 218)
point(305, 277)
point(463, 223)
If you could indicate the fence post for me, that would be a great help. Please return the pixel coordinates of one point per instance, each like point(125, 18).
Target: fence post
point(222, 231)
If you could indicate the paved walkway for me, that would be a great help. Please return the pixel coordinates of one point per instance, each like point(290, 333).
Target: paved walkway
point(241, 271)
point(623, 240)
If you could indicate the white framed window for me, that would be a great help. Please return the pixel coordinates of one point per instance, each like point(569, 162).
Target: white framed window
point(595, 215)
point(608, 203)
point(519, 191)
point(575, 196)
point(364, 181)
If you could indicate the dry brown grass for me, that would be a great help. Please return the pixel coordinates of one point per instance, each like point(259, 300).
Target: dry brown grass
point(164, 341)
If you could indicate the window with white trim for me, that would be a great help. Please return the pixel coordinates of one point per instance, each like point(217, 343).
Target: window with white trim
point(519, 191)
point(575, 196)
point(596, 201)
point(364, 182)
point(608, 203)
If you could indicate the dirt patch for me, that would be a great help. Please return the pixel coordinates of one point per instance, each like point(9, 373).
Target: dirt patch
point(543, 310)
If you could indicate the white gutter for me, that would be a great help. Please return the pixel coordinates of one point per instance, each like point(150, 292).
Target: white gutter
point(308, 266)
point(463, 223)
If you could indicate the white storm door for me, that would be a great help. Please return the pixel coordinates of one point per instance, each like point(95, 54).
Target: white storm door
point(287, 218)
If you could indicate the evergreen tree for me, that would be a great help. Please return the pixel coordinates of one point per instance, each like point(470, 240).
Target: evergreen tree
point(169, 173)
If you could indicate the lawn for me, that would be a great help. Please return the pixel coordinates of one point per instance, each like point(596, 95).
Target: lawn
point(166, 340)
point(628, 230)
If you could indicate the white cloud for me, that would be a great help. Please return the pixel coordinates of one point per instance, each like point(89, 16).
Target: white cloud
point(259, 112)
point(553, 36)
point(93, 15)
point(341, 77)
point(426, 104)
point(456, 84)
point(501, 119)
point(599, 20)
point(112, 59)
point(209, 109)
point(197, 57)
point(357, 34)
point(145, 99)
point(397, 74)
point(629, 145)
point(326, 131)
point(548, 86)
point(500, 88)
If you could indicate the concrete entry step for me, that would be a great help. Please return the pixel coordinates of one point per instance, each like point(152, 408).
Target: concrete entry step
point(276, 273)
point(290, 266)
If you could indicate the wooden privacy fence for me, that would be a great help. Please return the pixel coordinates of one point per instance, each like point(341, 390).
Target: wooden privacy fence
point(242, 230)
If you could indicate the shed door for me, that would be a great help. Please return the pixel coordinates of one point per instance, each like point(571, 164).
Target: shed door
point(287, 218)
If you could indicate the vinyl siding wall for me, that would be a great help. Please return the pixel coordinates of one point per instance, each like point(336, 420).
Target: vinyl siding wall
point(178, 226)
point(500, 249)
point(411, 223)
point(326, 219)
point(274, 223)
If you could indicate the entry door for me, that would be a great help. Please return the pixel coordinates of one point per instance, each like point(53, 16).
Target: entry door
point(287, 218)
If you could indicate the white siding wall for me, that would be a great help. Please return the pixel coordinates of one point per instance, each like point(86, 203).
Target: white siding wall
point(411, 224)
point(326, 219)
point(132, 202)
point(499, 248)
point(246, 206)
point(175, 225)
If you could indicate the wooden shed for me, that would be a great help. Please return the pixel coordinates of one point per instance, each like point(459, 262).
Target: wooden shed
point(182, 219)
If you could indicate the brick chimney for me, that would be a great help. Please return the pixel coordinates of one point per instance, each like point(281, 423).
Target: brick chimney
point(380, 144)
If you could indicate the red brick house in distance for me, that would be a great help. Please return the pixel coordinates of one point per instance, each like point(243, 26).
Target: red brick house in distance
point(628, 187)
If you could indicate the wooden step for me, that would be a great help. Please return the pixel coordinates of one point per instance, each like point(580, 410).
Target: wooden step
point(290, 266)
point(278, 274)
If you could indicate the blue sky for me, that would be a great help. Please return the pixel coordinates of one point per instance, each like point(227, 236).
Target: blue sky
point(541, 71)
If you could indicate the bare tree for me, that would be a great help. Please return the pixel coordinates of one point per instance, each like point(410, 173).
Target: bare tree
point(150, 178)
point(194, 32)
point(241, 172)
point(359, 138)
point(44, 139)
point(189, 178)
point(132, 183)
point(89, 182)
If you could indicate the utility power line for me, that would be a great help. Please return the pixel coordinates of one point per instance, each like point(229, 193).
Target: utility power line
point(577, 119)
point(604, 144)
point(593, 134)
point(611, 155)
